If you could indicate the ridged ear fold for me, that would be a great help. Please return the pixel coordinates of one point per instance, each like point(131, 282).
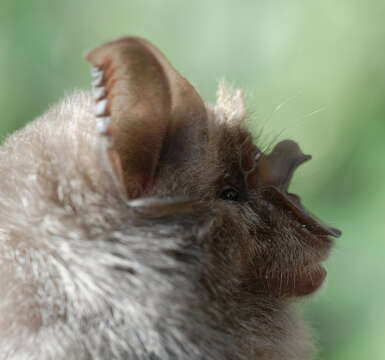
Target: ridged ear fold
point(148, 111)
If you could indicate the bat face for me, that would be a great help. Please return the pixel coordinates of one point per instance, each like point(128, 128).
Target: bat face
point(140, 222)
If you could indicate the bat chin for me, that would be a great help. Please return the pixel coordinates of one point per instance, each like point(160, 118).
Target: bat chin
point(298, 283)
point(309, 280)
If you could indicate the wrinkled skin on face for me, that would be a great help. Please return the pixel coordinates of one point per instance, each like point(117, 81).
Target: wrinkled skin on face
point(141, 223)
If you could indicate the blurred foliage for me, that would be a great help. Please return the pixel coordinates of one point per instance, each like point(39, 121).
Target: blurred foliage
point(312, 71)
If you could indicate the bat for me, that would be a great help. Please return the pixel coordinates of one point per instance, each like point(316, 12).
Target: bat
point(139, 222)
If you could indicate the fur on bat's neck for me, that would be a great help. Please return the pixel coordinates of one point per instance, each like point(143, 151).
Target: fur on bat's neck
point(127, 283)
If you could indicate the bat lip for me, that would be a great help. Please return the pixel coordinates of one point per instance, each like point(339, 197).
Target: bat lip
point(306, 278)
point(299, 283)
point(311, 277)
point(311, 280)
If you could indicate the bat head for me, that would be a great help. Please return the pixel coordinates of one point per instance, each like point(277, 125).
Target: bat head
point(162, 140)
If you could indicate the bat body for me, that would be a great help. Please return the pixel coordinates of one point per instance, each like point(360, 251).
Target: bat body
point(138, 222)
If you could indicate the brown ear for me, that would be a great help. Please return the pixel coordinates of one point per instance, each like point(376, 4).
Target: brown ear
point(147, 106)
point(274, 172)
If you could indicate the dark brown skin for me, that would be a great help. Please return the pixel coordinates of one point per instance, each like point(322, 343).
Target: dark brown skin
point(165, 233)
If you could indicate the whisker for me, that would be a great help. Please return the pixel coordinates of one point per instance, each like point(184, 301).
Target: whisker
point(302, 118)
point(274, 140)
point(323, 108)
point(276, 109)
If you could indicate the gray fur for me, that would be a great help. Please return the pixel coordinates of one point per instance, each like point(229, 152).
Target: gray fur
point(88, 274)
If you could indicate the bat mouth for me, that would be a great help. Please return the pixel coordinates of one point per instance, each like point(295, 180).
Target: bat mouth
point(306, 278)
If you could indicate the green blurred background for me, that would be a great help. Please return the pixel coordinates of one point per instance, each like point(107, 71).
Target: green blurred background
point(311, 71)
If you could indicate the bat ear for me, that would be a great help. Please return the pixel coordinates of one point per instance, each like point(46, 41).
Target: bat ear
point(149, 114)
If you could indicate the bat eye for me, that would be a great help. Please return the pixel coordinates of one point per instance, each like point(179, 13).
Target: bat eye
point(230, 193)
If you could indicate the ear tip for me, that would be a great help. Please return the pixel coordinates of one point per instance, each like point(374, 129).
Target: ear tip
point(93, 54)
